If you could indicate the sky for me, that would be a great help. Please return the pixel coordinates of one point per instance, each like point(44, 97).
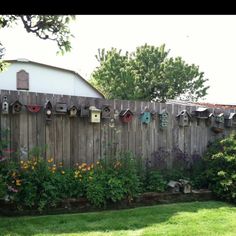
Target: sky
point(208, 41)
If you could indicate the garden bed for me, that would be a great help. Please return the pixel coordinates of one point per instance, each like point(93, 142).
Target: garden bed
point(82, 204)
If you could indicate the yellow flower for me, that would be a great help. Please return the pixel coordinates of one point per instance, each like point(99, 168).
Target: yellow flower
point(63, 172)
point(50, 160)
point(13, 174)
point(21, 162)
point(18, 182)
point(98, 162)
point(88, 168)
point(92, 165)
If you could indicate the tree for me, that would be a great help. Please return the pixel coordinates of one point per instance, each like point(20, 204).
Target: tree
point(147, 74)
point(47, 27)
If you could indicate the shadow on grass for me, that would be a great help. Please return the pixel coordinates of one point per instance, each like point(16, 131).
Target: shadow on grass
point(131, 219)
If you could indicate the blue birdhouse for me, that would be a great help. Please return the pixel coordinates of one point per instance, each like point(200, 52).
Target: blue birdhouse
point(145, 117)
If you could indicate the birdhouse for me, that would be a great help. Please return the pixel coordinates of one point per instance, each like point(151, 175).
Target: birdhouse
point(202, 113)
point(61, 108)
point(163, 116)
point(72, 110)
point(230, 120)
point(183, 118)
point(145, 117)
point(173, 186)
point(217, 123)
point(185, 186)
point(33, 108)
point(106, 111)
point(48, 110)
point(16, 107)
point(84, 111)
point(126, 115)
point(210, 120)
point(220, 118)
point(5, 106)
point(95, 114)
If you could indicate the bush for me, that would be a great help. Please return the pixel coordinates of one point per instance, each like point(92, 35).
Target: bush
point(220, 164)
point(155, 182)
point(3, 187)
point(113, 180)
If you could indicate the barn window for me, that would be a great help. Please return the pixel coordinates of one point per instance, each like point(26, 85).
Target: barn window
point(22, 80)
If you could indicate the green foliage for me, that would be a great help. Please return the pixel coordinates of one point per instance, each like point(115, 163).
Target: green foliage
point(3, 187)
point(220, 164)
point(155, 182)
point(114, 179)
point(147, 74)
point(52, 27)
point(96, 190)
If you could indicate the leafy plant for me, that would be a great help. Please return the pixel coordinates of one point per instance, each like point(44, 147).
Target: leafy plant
point(3, 187)
point(155, 182)
point(220, 167)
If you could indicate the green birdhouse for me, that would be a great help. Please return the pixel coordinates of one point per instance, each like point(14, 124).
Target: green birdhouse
point(145, 117)
point(163, 117)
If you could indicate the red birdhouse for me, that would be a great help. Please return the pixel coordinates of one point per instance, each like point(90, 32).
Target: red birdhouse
point(33, 108)
point(126, 115)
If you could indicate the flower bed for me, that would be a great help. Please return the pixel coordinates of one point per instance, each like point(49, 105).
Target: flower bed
point(83, 205)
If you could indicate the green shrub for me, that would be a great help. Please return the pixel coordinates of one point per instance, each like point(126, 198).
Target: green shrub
point(3, 187)
point(220, 164)
point(155, 182)
point(113, 180)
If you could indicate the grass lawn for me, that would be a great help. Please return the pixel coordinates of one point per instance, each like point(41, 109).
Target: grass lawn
point(196, 218)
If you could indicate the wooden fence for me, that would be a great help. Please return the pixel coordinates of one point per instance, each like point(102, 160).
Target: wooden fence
point(76, 140)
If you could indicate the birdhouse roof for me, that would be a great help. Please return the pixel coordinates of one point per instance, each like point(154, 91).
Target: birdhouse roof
point(105, 105)
point(72, 106)
point(183, 112)
point(220, 115)
point(211, 115)
point(93, 108)
point(16, 102)
point(48, 103)
point(231, 115)
point(124, 112)
point(201, 109)
point(163, 112)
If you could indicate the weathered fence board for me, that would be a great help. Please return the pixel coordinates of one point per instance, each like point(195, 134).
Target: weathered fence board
point(75, 139)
